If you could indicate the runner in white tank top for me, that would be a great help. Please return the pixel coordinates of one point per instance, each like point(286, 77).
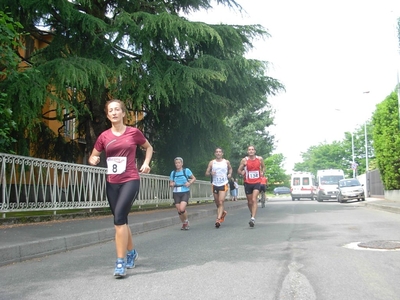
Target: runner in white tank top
point(220, 171)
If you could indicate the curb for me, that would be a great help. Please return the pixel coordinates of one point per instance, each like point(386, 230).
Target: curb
point(30, 250)
point(387, 208)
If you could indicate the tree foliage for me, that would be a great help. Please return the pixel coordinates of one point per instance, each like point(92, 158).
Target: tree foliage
point(185, 77)
point(9, 60)
point(324, 156)
point(339, 154)
point(386, 141)
point(359, 147)
point(249, 126)
point(275, 172)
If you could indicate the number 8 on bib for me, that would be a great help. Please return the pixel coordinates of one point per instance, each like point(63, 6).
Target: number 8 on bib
point(116, 165)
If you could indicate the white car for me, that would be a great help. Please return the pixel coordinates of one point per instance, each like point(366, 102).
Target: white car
point(350, 189)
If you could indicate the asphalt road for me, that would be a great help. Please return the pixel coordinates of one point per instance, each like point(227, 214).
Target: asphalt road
point(297, 250)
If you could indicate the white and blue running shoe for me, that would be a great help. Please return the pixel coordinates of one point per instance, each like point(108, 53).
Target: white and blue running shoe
point(131, 256)
point(120, 270)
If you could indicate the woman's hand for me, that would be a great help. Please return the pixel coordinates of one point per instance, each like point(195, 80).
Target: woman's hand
point(94, 160)
point(145, 168)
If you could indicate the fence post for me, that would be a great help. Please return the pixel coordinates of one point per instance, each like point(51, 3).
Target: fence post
point(3, 183)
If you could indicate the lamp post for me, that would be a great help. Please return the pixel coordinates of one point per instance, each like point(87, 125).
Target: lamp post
point(366, 147)
point(353, 164)
point(366, 156)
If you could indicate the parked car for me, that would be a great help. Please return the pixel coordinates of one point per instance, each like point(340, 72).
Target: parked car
point(350, 189)
point(281, 190)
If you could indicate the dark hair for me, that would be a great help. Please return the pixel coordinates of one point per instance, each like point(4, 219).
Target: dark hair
point(123, 107)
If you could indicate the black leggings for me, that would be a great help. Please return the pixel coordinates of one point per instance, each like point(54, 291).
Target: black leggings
point(121, 197)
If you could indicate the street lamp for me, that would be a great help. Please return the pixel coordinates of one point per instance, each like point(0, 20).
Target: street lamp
point(366, 147)
point(366, 155)
point(353, 163)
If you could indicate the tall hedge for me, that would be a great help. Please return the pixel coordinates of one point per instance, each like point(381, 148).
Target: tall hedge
point(386, 141)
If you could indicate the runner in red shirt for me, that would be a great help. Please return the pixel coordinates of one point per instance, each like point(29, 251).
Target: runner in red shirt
point(263, 190)
point(252, 169)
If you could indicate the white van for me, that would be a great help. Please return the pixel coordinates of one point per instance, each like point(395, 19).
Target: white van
point(302, 185)
point(327, 184)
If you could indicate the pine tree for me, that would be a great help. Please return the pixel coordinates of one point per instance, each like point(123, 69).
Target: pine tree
point(185, 76)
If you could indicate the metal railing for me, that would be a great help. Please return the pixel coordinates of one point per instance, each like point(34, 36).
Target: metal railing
point(32, 184)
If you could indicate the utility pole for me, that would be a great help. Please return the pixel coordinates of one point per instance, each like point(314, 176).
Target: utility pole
point(366, 156)
point(353, 165)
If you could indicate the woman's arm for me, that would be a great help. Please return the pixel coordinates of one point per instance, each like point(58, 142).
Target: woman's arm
point(145, 168)
point(192, 179)
point(94, 158)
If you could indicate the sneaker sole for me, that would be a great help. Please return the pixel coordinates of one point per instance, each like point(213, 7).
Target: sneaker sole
point(251, 224)
point(119, 274)
point(217, 225)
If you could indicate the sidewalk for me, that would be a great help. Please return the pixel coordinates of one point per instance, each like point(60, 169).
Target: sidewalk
point(27, 241)
point(22, 242)
point(382, 204)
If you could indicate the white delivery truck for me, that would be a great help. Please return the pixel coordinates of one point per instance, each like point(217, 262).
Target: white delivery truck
point(302, 185)
point(327, 184)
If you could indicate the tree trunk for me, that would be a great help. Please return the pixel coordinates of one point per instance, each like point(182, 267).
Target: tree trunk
point(95, 125)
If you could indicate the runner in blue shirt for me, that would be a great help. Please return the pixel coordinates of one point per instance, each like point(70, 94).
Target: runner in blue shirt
point(180, 180)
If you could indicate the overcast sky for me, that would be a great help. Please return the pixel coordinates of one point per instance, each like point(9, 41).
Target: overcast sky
point(327, 54)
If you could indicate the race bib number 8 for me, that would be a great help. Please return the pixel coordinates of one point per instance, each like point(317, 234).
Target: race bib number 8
point(116, 165)
point(254, 174)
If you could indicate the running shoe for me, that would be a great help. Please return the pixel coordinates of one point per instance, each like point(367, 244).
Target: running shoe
point(222, 219)
point(131, 256)
point(252, 222)
point(185, 226)
point(120, 270)
point(218, 223)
